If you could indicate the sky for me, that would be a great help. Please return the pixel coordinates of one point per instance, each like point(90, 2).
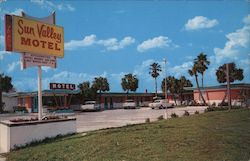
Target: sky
point(114, 38)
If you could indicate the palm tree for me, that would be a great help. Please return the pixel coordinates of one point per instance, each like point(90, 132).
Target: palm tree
point(234, 74)
point(172, 86)
point(155, 68)
point(100, 84)
point(202, 64)
point(183, 82)
point(194, 72)
point(176, 86)
point(86, 92)
point(129, 82)
point(83, 87)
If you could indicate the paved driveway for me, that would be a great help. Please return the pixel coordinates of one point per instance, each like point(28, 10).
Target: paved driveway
point(88, 121)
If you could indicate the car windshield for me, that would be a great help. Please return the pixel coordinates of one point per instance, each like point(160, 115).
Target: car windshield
point(157, 101)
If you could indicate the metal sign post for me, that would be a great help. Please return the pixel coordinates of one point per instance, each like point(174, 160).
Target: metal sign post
point(40, 101)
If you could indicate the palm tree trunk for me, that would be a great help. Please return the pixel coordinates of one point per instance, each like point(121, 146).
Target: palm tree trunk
point(202, 80)
point(174, 99)
point(197, 83)
point(155, 87)
point(224, 98)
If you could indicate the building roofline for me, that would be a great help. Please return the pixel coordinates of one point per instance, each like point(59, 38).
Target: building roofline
point(218, 87)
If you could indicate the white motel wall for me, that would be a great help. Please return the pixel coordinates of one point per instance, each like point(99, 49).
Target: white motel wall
point(13, 135)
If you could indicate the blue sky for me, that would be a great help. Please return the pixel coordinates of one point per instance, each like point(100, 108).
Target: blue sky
point(113, 38)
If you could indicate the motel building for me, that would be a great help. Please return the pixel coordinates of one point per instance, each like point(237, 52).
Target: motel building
point(215, 94)
point(70, 99)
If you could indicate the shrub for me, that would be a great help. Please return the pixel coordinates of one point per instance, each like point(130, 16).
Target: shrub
point(160, 117)
point(147, 120)
point(213, 104)
point(20, 109)
point(223, 104)
point(196, 112)
point(220, 108)
point(186, 113)
point(174, 115)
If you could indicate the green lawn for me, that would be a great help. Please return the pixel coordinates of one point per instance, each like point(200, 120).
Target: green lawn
point(222, 136)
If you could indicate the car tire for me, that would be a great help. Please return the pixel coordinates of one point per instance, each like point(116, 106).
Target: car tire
point(161, 107)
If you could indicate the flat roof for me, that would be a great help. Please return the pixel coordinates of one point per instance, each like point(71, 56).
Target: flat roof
point(223, 86)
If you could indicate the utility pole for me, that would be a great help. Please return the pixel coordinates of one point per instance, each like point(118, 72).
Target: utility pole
point(165, 75)
point(165, 90)
point(228, 87)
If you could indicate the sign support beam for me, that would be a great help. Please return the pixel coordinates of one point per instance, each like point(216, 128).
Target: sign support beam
point(40, 101)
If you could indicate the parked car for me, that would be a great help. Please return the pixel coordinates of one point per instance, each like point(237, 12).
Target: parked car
point(90, 106)
point(129, 104)
point(160, 104)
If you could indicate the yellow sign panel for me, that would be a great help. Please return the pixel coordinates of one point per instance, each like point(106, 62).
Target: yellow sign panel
point(37, 37)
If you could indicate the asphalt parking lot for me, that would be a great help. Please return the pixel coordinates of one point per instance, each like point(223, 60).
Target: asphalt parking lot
point(89, 121)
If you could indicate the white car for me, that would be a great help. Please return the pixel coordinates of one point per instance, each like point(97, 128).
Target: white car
point(129, 104)
point(160, 104)
point(90, 106)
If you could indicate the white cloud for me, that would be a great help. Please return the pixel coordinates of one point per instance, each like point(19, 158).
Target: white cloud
point(142, 70)
point(114, 44)
point(74, 44)
point(52, 6)
point(70, 8)
point(109, 44)
point(179, 70)
point(12, 66)
point(69, 77)
point(143, 67)
point(47, 69)
point(156, 42)
point(17, 12)
point(117, 77)
point(2, 53)
point(237, 42)
point(200, 22)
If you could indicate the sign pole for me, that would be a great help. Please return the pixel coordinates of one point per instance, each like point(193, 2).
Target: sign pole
point(40, 104)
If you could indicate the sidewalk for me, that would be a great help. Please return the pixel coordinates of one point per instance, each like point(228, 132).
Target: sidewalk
point(2, 158)
point(17, 114)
